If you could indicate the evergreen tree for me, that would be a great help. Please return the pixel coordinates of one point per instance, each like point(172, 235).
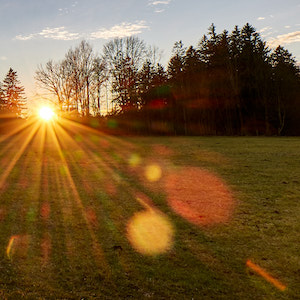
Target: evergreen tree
point(286, 89)
point(13, 96)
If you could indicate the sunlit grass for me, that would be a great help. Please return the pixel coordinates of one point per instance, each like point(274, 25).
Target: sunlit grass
point(85, 215)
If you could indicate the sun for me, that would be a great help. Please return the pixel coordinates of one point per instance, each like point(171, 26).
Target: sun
point(46, 113)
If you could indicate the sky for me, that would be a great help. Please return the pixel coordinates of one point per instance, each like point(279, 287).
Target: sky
point(34, 31)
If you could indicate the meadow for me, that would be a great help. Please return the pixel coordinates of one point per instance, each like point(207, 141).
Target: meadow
point(85, 215)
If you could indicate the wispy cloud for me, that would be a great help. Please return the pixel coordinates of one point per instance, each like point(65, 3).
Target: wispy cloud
point(260, 18)
point(159, 5)
point(122, 30)
point(63, 11)
point(159, 10)
point(289, 38)
point(57, 33)
point(157, 2)
point(25, 37)
point(265, 29)
point(3, 58)
point(67, 10)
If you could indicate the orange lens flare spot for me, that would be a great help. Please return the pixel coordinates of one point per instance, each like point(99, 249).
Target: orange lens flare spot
point(260, 271)
point(150, 233)
point(153, 172)
point(199, 196)
point(46, 113)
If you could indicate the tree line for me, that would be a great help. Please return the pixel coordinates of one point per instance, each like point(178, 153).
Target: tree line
point(229, 84)
point(234, 84)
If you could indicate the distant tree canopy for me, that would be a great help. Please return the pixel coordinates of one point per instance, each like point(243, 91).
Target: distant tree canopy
point(12, 99)
point(233, 84)
point(230, 83)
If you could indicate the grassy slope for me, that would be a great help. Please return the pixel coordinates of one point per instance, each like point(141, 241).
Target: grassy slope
point(69, 210)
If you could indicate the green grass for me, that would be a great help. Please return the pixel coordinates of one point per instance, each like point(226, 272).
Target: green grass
point(68, 205)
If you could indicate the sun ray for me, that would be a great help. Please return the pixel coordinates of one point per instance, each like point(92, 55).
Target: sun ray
point(17, 130)
point(68, 141)
point(98, 253)
point(74, 126)
point(142, 239)
point(17, 156)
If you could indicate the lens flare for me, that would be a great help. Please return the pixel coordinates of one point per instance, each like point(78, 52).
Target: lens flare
point(150, 232)
point(46, 113)
point(134, 160)
point(153, 172)
point(199, 196)
point(17, 246)
point(265, 275)
point(10, 245)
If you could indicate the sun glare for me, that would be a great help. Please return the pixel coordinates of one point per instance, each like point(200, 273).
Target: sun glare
point(46, 113)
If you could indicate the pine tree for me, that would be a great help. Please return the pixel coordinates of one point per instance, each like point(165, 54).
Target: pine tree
point(286, 87)
point(14, 100)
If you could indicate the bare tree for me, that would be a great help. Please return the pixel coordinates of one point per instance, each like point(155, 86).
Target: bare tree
point(49, 78)
point(99, 76)
point(125, 56)
point(72, 79)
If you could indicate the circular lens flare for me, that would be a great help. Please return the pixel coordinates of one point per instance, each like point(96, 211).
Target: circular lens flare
point(46, 113)
point(199, 196)
point(150, 232)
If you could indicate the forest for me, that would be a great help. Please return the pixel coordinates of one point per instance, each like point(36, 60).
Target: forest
point(229, 84)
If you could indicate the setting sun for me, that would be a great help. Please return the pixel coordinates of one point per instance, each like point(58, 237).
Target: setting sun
point(46, 113)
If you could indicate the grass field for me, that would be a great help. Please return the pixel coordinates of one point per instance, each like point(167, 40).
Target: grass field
point(89, 216)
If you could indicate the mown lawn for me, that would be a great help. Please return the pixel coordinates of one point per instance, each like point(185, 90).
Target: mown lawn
point(89, 216)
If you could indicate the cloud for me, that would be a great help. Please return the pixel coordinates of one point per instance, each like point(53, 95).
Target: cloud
point(265, 29)
point(68, 10)
point(260, 18)
point(3, 58)
point(159, 10)
point(63, 11)
point(57, 33)
point(24, 37)
point(124, 29)
point(163, 2)
point(292, 37)
point(118, 31)
point(159, 4)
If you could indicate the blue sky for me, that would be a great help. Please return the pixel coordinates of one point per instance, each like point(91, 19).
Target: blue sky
point(34, 31)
